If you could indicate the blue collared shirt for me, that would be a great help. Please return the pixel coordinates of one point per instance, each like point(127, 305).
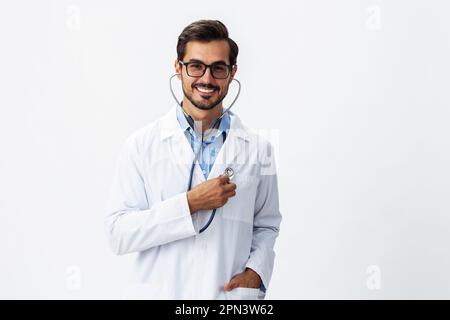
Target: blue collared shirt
point(210, 146)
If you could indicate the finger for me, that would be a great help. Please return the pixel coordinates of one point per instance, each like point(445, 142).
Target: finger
point(231, 285)
point(224, 179)
point(230, 194)
point(229, 187)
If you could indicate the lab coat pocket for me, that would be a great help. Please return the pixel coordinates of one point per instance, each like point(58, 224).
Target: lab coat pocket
point(241, 206)
point(245, 294)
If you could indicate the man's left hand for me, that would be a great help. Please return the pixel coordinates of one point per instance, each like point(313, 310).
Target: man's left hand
point(246, 279)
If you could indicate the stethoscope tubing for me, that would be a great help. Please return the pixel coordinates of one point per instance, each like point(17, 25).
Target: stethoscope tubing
point(191, 175)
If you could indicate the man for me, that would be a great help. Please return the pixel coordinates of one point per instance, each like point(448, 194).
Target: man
point(151, 210)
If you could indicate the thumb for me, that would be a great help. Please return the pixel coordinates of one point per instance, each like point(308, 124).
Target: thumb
point(224, 179)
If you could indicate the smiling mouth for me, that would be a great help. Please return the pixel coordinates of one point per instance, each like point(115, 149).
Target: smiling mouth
point(205, 90)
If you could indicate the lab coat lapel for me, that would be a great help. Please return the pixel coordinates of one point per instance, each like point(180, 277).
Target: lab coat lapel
point(181, 151)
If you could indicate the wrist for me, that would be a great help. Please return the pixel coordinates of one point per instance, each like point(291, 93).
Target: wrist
point(253, 274)
point(192, 202)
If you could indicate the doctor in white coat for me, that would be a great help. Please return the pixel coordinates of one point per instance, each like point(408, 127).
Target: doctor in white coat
point(152, 213)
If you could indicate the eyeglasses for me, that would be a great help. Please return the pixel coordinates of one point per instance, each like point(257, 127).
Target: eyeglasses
point(197, 69)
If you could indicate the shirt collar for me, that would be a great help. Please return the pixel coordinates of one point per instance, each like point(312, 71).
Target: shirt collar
point(182, 119)
point(224, 125)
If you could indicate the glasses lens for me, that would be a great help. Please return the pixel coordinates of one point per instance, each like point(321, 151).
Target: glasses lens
point(195, 69)
point(220, 71)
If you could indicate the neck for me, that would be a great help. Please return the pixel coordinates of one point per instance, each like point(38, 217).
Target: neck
point(204, 117)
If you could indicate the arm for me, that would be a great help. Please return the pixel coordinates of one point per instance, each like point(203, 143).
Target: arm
point(132, 224)
point(266, 224)
point(260, 264)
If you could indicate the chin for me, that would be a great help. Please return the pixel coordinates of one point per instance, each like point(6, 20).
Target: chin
point(204, 106)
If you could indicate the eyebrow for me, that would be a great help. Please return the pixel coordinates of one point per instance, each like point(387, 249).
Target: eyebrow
point(215, 62)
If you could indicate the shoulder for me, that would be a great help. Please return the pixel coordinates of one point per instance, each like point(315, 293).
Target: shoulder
point(259, 138)
point(260, 143)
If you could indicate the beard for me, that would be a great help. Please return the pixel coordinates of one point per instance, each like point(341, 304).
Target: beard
point(204, 104)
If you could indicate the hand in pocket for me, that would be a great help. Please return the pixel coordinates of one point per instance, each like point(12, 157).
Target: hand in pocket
point(246, 279)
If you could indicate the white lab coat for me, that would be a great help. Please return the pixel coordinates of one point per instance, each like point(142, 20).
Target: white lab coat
point(148, 213)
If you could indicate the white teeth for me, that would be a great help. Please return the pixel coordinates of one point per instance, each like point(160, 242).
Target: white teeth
point(205, 90)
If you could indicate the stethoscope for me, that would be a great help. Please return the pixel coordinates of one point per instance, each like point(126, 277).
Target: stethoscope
point(228, 171)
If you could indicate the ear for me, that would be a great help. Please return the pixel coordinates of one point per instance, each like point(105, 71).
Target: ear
point(178, 69)
point(233, 72)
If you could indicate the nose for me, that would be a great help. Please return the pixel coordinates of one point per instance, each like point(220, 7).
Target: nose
point(207, 77)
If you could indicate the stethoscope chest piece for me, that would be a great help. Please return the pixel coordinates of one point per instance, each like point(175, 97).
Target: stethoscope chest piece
point(229, 172)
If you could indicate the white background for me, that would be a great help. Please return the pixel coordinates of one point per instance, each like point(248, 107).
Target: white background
point(358, 92)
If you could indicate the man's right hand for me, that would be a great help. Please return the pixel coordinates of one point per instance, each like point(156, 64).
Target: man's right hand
point(211, 194)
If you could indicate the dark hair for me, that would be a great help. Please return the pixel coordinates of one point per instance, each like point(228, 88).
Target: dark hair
point(206, 31)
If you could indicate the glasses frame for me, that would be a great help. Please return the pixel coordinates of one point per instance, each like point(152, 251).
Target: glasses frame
point(186, 64)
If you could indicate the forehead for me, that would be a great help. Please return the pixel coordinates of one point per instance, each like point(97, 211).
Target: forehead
point(208, 52)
